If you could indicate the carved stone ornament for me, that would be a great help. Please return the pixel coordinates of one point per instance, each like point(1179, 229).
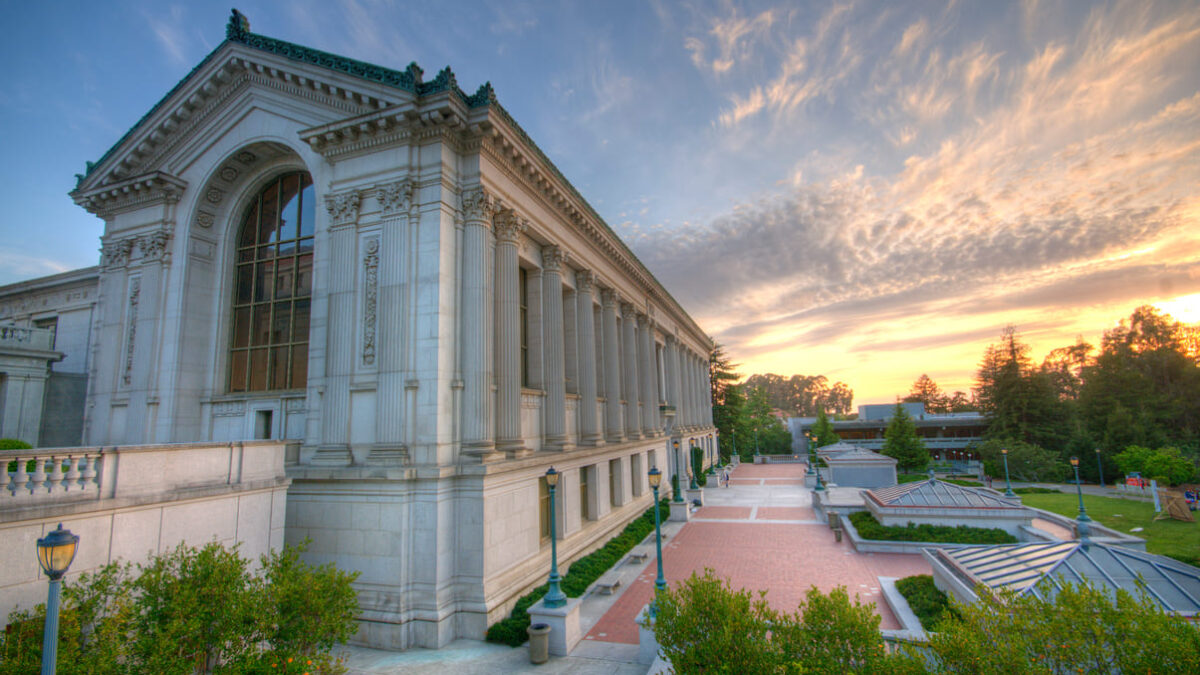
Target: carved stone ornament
point(229, 174)
point(204, 219)
point(627, 310)
point(247, 157)
point(584, 280)
point(395, 197)
point(553, 258)
point(135, 291)
point(214, 195)
point(229, 409)
point(115, 254)
point(370, 300)
point(509, 227)
point(478, 205)
point(153, 245)
point(344, 207)
point(608, 298)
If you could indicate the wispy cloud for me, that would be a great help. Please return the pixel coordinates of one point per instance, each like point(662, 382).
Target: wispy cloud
point(170, 32)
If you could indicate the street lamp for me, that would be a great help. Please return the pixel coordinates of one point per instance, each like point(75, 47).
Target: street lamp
point(692, 485)
point(1007, 484)
point(56, 552)
point(554, 597)
point(820, 487)
point(677, 495)
point(714, 454)
point(1082, 521)
point(1100, 465)
point(812, 451)
point(660, 583)
point(756, 439)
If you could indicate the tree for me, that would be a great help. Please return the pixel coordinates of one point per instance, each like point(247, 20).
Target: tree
point(1165, 465)
point(728, 399)
point(803, 395)
point(1020, 401)
point(926, 391)
point(823, 430)
point(1026, 461)
point(902, 443)
point(761, 424)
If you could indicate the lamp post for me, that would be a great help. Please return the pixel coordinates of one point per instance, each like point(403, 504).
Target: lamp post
point(1007, 484)
point(714, 454)
point(554, 597)
point(1083, 519)
point(660, 583)
point(812, 451)
point(677, 495)
point(1100, 465)
point(56, 552)
point(820, 487)
point(756, 439)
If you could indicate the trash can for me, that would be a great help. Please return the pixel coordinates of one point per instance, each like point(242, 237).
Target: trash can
point(539, 642)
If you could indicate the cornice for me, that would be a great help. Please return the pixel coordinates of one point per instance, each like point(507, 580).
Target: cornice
point(133, 193)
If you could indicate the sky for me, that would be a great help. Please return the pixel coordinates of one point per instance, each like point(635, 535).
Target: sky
point(864, 190)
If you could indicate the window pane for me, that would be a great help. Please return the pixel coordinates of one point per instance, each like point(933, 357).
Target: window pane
point(304, 279)
point(279, 368)
point(268, 223)
point(299, 366)
point(289, 198)
point(266, 252)
point(284, 277)
point(258, 370)
point(300, 311)
point(264, 281)
point(249, 225)
point(245, 255)
point(262, 325)
point(305, 245)
point(308, 203)
point(237, 371)
point(241, 327)
point(281, 324)
point(245, 284)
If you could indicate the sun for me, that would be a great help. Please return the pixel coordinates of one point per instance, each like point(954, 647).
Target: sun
point(1184, 309)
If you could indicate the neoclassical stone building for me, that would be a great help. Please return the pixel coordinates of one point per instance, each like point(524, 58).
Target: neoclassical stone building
point(387, 270)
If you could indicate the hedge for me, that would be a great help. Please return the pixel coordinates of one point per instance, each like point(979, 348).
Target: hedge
point(870, 529)
point(1036, 491)
point(582, 573)
point(929, 604)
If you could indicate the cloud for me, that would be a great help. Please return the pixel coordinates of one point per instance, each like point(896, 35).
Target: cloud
point(19, 265)
point(169, 31)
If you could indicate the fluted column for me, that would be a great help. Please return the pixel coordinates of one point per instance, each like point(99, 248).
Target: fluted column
point(693, 389)
point(671, 373)
point(339, 349)
point(589, 432)
point(707, 396)
point(631, 384)
point(687, 420)
point(554, 410)
point(476, 325)
point(614, 430)
point(650, 425)
point(386, 258)
point(508, 335)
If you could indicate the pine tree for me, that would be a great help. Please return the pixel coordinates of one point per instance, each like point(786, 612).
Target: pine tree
point(902, 443)
point(823, 430)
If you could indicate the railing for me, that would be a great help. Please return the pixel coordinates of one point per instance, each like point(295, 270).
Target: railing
point(27, 338)
point(53, 473)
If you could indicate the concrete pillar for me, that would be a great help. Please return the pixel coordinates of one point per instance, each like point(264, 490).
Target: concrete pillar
point(614, 429)
point(631, 384)
point(476, 325)
point(339, 355)
point(647, 369)
point(554, 410)
point(508, 336)
point(589, 432)
point(390, 417)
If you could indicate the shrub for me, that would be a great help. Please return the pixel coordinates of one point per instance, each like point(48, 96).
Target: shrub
point(925, 599)
point(14, 444)
point(870, 529)
point(193, 610)
point(1036, 491)
point(583, 573)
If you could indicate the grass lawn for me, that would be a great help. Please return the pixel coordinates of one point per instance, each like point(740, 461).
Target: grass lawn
point(1167, 537)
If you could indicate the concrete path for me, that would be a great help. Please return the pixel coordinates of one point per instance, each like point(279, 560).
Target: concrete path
point(760, 533)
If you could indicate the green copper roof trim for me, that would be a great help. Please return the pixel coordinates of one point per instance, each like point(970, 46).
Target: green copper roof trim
point(410, 80)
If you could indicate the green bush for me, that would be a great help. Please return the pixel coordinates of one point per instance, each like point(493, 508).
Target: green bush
point(929, 604)
point(582, 573)
point(871, 530)
point(14, 444)
point(193, 610)
point(1036, 491)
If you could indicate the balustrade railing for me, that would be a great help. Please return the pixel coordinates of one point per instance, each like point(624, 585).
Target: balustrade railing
point(28, 338)
point(29, 474)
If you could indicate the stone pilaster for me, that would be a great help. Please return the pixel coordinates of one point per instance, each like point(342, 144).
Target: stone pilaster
point(508, 336)
point(476, 325)
point(631, 384)
point(671, 373)
point(554, 409)
point(334, 449)
point(648, 370)
point(589, 431)
point(614, 429)
point(395, 202)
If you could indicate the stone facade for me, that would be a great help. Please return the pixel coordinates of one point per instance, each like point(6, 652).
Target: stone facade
point(473, 322)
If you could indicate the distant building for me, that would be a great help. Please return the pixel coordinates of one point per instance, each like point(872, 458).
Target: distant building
point(950, 437)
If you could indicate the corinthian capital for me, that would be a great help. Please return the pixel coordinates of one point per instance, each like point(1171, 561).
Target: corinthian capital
point(343, 206)
point(553, 258)
point(608, 298)
point(478, 206)
point(395, 197)
point(584, 280)
point(509, 227)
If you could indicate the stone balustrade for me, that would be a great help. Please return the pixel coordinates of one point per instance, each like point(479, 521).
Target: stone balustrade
point(26, 338)
point(54, 473)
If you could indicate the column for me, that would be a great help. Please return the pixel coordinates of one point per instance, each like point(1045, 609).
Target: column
point(589, 432)
point(632, 384)
point(708, 415)
point(614, 430)
point(339, 330)
point(671, 374)
point(395, 200)
point(508, 336)
point(476, 326)
point(554, 409)
point(650, 425)
point(686, 415)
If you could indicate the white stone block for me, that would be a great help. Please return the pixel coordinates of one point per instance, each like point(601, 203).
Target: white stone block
point(564, 624)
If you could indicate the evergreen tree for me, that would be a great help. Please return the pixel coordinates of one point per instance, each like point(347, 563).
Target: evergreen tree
point(728, 400)
point(926, 391)
point(823, 430)
point(902, 443)
point(1021, 401)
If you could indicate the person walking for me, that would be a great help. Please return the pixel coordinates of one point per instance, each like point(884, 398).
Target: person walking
point(726, 476)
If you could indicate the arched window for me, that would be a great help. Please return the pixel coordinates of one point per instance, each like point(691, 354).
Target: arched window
point(272, 296)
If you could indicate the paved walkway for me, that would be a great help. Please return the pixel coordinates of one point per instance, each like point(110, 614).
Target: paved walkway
point(760, 533)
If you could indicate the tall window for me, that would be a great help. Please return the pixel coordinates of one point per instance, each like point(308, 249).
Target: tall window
point(272, 296)
point(523, 294)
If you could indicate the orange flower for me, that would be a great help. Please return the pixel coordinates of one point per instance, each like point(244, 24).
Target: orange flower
point(290, 658)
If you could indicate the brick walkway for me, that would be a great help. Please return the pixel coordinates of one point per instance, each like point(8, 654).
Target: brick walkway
point(761, 535)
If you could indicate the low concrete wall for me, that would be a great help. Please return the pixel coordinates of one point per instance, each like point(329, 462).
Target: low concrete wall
point(871, 546)
point(1099, 532)
point(141, 500)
